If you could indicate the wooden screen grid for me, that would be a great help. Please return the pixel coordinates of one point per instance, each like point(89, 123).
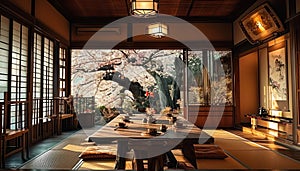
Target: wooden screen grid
point(14, 132)
point(84, 104)
point(44, 119)
point(65, 120)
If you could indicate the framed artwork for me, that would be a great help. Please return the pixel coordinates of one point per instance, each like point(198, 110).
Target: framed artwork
point(261, 24)
point(278, 75)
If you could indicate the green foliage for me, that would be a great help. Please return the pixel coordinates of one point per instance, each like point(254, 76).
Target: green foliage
point(108, 113)
point(141, 103)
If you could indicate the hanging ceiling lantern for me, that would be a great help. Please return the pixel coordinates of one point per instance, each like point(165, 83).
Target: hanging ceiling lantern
point(144, 8)
point(157, 30)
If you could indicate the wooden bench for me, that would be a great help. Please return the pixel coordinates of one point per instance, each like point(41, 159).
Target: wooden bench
point(66, 116)
point(21, 137)
point(14, 136)
point(66, 121)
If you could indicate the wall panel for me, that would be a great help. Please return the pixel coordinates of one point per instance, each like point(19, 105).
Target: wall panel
point(249, 92)
point(50, 17)
point(213, 32)
point(263, 77)
point(24, 5)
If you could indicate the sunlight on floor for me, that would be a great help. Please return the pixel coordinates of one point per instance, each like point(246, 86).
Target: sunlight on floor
point(75, 148)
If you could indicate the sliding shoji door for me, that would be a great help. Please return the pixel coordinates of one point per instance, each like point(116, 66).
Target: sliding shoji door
point(62, 71)
point(4, 55)
point(37, 87)
point(19, 71)
point(42, 87)
point(48, 77)
point(13, 67)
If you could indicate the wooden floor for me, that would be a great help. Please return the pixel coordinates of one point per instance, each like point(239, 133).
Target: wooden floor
point(241, 151)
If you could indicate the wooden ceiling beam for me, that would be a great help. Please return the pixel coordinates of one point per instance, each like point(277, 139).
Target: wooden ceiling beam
point(107, 20)
point(57, 5)
point(147, 45)
point(93, 10)
point(190, 8)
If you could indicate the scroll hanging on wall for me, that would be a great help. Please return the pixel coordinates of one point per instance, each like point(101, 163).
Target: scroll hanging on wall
point(277, 74)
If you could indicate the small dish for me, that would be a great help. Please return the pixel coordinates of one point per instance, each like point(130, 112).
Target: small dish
point(125, 127)
point(126, 120)
point(126, 117)
point(179, 126)
point(169, 114)
point(121, 124)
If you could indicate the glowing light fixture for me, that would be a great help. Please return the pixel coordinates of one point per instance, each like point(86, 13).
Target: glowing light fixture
point(261, 24)
point(144, 8)
point(157, 30)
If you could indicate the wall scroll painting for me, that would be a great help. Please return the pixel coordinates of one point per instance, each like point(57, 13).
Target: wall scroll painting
point(277, 75)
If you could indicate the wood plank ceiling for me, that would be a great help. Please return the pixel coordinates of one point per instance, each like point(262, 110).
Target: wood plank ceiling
point(78, 10)
point(88, 16)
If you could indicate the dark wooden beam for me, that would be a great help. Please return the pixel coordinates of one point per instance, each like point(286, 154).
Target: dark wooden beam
point(190, 8)
point(92, 21)
point(220, 45)
point(242, 7)
point(42, 28)
point(57, 5)
point(127, 7)
point(10, 10)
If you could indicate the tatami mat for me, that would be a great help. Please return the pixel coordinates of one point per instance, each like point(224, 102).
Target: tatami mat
point(54, 159)
point(213, 164)
point(62, 156)
point(262, 159)
point(75, 139)
point(242, 154)
point(228, 144)
point(103, 165)
point(250, 154)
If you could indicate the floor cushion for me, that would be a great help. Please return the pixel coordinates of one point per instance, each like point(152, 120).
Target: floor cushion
point(99, 152)
point(209, 151)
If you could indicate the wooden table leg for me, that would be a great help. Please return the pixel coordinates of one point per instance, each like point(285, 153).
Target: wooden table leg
point(2, 161)
point(25, 150)
point(138, 164)
point(188, 151)
point(24, 146)
point(121, 152)
point(156, 163)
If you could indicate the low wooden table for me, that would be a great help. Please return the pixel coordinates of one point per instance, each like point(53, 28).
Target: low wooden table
point(275, 126)
point(134, 136)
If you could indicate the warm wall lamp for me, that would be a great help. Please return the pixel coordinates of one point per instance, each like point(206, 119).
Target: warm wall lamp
point(261, 24)
point(144, 8)
point(157, 30)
